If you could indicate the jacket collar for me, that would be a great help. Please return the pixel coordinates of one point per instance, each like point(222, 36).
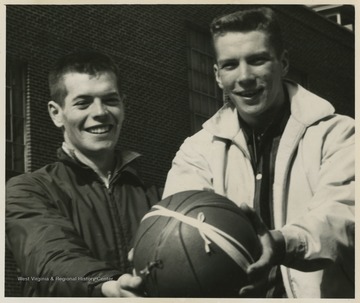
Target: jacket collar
point(225, 123)
point(123, 159)
point(306, 107)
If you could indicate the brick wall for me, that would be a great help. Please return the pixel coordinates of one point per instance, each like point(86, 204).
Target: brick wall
point(325, 52)
point(149, 43)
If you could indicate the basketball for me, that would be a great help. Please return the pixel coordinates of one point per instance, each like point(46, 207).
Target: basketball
point(194, 244)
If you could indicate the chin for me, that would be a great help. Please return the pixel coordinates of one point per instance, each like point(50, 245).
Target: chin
point(102, 148)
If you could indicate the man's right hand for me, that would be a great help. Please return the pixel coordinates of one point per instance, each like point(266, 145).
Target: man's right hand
point(126, 286)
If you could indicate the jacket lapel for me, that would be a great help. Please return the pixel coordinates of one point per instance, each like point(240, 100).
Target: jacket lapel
point(288, 144)
point(306, 109)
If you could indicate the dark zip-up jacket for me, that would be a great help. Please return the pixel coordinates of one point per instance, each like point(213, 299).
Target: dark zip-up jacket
point(68, 231)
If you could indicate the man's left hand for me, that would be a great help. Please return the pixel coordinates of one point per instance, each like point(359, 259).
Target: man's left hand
point(273, 252)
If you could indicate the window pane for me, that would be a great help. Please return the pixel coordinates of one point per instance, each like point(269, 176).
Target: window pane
point(197, 42)
point(203, 65)
point(8, 98)
point(199, 82)
point(9, 165)
point(18, 158)
point(202, 80)
point(195, 81)
point(8, 128)
point(192, 36)
point(194, 60)
point(210, 70)
point(204, 107)
point(15, 116)
point(203, 85)
point(214, 106)
point(18, 76)
point(18, 130)
point(8, 75)
point(18, 102)
point(195, 102)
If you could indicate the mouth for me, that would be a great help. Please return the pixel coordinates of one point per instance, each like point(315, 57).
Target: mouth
point(250, 93)
point(99, 129)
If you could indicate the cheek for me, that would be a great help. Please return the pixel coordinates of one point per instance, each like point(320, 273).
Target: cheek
point(118, 115)
point(74, 122)
point(270, 77)
point(228, 80)
point(265, 72)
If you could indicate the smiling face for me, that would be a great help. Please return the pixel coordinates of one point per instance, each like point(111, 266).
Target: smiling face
point(92, 113)
point(250, 73)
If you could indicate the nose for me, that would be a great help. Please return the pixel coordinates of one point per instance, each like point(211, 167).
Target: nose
point(98, 108)
point(245, 75)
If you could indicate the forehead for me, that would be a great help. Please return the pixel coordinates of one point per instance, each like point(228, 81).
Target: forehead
point(241, 43)
point(82, 83)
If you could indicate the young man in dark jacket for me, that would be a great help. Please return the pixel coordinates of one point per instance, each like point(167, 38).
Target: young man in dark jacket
point(70, 223)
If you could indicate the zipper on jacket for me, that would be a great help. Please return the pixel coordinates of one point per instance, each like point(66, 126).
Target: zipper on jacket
point(112, 177)
point(116, 222)
point(108, 179)
point(120, 238)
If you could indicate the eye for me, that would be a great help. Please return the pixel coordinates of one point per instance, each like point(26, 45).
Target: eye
point(228, 65)
point(258, 61)
point(113, 101)
point(82, 103)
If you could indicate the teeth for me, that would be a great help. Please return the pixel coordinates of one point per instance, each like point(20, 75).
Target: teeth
point(248, 94)
point(99, 129)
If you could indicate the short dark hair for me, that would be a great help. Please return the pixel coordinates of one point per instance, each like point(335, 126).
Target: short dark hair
point(82, 61)
point(260, 19)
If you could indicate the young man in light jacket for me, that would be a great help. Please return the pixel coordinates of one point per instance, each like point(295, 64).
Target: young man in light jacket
point(283, 155)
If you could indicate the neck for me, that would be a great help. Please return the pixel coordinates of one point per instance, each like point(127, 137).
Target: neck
point(261, 123)
point(101, 162)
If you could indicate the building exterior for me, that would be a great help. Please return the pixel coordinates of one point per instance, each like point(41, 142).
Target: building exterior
point(341, 14)
point(165, 55)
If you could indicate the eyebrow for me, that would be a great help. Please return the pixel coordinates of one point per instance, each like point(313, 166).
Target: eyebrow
point(112, 94)
point(250, 56)
point(260, 54)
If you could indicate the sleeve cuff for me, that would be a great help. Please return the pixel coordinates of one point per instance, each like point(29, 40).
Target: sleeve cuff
point(295, 245)
point(96, 292)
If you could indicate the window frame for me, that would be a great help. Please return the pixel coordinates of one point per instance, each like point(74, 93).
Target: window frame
point(16, 69)
point(199, 99)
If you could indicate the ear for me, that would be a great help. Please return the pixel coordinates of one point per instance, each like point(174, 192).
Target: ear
point(217, 76)
point(285, 62)
point(56, 114)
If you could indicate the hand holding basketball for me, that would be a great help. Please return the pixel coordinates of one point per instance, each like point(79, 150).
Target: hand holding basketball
point(126, 286)
point(273, 251)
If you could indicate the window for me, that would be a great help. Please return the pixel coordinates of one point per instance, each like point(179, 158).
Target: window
point(340, 14)
point(335, 17)
point(342, 18)
point(15, 117)
point(205, 96)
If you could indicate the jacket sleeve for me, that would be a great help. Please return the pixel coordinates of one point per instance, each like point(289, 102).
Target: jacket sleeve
point(326, 232)
point(190, 169)
point(51, 255)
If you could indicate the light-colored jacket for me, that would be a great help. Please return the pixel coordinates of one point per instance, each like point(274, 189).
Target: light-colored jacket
point(313, 188)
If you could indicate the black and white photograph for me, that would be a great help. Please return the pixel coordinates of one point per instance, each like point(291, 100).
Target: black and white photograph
point(179, 151)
